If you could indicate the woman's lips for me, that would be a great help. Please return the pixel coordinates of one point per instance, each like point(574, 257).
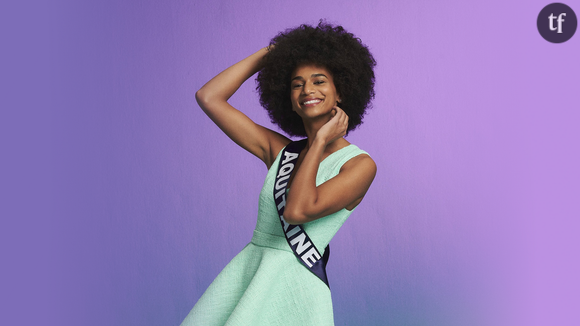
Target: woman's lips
point(312, 102)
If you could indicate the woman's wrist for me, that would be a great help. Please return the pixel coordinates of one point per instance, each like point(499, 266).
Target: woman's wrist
point(319, 143)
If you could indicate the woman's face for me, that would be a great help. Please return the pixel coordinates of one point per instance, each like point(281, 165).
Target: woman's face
point(312, 91)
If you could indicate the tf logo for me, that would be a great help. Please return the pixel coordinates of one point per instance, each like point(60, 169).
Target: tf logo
point(557, 23)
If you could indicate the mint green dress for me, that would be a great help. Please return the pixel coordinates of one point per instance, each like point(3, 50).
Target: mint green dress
point(265, 284)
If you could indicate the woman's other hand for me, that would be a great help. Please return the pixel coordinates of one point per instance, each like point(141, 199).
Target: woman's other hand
point(335, 128)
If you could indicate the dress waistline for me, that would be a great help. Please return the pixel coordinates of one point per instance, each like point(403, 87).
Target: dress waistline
point(270, 240)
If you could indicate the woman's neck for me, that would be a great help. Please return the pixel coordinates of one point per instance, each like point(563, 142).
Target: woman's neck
point(330, 147)
point(311, 128)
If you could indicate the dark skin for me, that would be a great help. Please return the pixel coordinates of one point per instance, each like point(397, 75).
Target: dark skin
point(314, 98)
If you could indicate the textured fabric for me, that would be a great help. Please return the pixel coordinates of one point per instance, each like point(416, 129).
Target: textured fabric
point(265, 284)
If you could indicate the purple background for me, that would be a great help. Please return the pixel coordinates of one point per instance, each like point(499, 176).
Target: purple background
point(121, 201)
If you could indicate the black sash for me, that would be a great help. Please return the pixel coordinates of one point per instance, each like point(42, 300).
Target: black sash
point(297, 238)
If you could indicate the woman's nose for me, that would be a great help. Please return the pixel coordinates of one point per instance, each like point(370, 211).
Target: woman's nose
point(308, 88)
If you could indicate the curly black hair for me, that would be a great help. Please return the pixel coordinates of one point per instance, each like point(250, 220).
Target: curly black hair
point(348, 60)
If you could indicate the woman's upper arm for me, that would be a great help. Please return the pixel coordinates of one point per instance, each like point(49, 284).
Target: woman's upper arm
point(258, 140)
point(347, 187)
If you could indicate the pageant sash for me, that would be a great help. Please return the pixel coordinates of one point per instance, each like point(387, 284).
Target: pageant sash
point(297, 238)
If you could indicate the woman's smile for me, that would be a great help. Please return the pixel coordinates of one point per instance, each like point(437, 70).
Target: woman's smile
point(309, 102)
point(313, 93)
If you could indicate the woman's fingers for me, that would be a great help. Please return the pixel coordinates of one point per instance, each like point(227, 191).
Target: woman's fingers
point(342, 117)
point(336, 126)
point(341, 121)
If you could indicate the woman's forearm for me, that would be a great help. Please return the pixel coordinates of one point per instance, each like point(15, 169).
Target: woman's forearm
point(305, 201)
point(303, 193)
point(213, 97)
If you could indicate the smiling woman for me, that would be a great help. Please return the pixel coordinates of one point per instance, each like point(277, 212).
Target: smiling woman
point(313, 85)
point(340, 53)
point(306, 85)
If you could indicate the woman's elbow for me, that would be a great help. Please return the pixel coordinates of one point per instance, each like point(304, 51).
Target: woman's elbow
point(202, 97)
point(294, 217)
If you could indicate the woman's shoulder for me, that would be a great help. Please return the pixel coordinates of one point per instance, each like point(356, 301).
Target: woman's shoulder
point(356, 158)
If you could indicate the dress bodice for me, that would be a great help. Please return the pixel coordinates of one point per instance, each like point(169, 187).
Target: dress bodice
point(322, 230)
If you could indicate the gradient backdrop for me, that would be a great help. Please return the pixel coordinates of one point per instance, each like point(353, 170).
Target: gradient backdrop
point(121, 201)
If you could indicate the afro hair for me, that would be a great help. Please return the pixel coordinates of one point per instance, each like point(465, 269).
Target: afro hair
point(348, 60)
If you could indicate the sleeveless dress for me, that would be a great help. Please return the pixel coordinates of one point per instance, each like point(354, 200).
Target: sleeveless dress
point(265, 284)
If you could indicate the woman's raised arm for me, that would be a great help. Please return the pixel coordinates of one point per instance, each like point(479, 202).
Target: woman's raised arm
point(306, 201)
point(213, 97)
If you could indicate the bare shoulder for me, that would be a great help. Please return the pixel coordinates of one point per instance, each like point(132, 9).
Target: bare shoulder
point(361, 166)
point(362, 161)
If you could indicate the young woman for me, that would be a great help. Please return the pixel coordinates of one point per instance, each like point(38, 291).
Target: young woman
point(315, 82)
